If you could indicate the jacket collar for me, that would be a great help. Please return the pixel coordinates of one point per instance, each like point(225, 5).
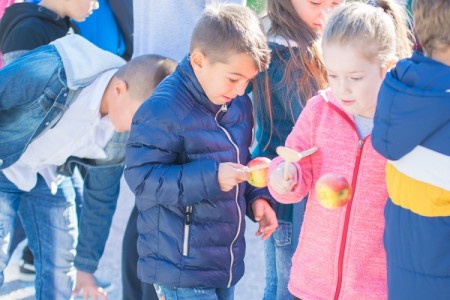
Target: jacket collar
point(193, 86)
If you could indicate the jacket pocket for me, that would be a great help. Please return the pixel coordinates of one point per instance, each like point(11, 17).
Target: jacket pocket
point(283, 235)
point(187, 225)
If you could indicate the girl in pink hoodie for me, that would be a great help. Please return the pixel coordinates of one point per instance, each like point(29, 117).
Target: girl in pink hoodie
point(340, 253)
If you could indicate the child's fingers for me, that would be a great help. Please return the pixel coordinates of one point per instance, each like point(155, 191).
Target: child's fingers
point(242, 175)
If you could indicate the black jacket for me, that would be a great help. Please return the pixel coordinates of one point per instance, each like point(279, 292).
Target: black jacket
point(26, 26)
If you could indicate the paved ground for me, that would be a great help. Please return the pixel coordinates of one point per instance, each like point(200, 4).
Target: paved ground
point(249, 288)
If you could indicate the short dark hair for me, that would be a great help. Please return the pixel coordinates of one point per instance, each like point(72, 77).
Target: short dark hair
point(143, 73)
point(226, 29)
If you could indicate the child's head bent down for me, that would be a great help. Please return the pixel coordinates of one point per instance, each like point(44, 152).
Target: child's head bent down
point(360, 44)
point(131, 85)
point(228, 49)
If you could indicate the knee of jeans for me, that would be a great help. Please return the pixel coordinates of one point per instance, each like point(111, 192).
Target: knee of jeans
point(283, 235)
point(5, 239)
point(7, 218)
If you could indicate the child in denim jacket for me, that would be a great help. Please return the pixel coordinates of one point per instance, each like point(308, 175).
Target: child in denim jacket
point(61, 101)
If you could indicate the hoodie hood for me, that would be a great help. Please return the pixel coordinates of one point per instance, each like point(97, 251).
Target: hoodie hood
point(27, 15)
point(413, 108)
point(424, 84)
point(421, 74)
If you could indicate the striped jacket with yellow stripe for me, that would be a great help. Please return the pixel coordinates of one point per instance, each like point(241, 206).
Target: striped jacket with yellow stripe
point(412, 130)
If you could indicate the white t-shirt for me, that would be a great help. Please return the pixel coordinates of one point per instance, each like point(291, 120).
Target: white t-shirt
point(363, 125)
point(81, 132)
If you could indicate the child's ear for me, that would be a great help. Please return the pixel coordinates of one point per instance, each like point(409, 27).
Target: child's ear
point(197, 59)
point(120, 87)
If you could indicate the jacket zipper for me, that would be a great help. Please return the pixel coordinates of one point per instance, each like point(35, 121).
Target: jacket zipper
point(187, 225)
point(349, 205)
point(224, 109)
point(347, 219)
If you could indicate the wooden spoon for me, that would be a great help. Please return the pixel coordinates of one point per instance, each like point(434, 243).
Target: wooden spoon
point(290, 155)
point(258, 167)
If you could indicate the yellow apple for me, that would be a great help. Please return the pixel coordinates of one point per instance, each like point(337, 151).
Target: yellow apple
point(258, 178)
point(333, 191)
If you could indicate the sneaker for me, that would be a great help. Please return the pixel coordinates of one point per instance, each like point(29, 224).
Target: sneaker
point(27, 271)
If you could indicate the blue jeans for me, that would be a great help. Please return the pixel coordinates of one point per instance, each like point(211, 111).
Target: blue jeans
point(278, 251)
point(51, 227)
point(173, 293)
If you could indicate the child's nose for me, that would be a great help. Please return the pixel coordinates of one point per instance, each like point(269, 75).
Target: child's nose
point(345, 87)
point(240, 89)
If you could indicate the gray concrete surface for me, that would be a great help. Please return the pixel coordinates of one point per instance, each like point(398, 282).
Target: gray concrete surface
point(250, 287)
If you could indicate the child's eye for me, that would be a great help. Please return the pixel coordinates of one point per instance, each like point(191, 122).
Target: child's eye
point(332, 76)
point(233, 80)
point(355, 78)
point(315, 3)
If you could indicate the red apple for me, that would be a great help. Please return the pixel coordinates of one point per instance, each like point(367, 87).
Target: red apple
point(258, 177)
point(333, 191)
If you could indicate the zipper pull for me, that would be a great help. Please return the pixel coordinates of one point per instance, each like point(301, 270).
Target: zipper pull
point(360, 144)
point(188, 214)
point(224, 108)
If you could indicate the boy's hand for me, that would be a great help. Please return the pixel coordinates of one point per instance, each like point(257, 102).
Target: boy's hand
point(266, 217)
point(231, 174)
point(85, 284)
point(277, 181)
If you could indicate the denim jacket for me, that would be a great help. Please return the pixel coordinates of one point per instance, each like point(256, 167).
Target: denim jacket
point(35, 91)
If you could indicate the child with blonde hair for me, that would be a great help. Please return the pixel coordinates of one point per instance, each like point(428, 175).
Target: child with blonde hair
point(340, 253)
point(412, 130)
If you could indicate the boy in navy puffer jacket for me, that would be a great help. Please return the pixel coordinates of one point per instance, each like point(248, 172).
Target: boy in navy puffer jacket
point(185, 162)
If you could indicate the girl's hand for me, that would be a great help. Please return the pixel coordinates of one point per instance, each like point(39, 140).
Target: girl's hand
point(277, 181)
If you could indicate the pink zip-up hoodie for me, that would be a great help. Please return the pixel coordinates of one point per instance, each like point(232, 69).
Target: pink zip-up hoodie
point(340, 254)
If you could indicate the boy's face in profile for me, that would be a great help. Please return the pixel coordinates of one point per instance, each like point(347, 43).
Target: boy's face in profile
point(222, 82)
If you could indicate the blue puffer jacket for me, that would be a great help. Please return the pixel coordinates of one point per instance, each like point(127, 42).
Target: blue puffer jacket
point(412, 130)
point(191, 234)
